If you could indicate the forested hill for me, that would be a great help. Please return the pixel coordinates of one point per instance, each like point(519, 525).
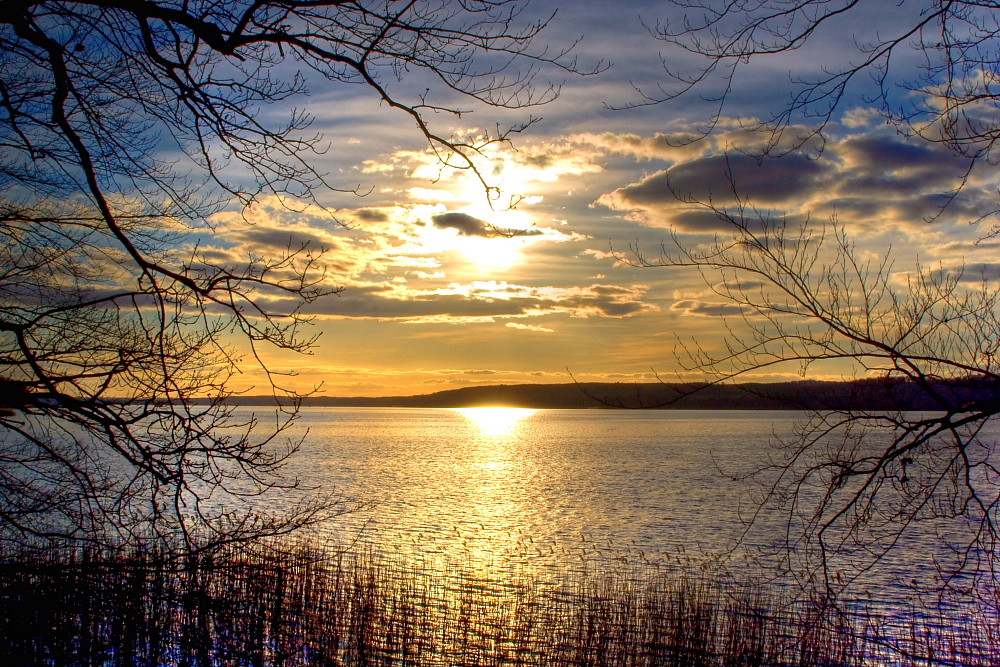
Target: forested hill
point(865, 394)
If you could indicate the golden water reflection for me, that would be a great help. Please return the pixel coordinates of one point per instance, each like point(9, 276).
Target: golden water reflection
point(490, 484)
point(501, 487)
point(496, 421)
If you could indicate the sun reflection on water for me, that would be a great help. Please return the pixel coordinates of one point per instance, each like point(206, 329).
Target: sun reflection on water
point(496, 421)
point(490, 484)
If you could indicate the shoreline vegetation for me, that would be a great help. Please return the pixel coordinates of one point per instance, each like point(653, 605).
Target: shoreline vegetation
point(304, 607)
point(875, 394)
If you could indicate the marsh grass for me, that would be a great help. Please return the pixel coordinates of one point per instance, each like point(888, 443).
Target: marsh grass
point(246, 607)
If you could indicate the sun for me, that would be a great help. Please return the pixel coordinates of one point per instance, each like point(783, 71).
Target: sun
point(502, 249)
point(496, 421)
point(491, 252)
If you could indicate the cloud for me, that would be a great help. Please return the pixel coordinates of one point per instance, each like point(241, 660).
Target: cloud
point(688, 142)
point(375, 380)
point(464, 223)
point(513, 171)
point(705, 309)
point(529, 327)
point(739, 284)
point(270, 239)
point(870, 179)
point(483, 301)
point(971, 275)
point(699, 308)
point(725, 179)
point(659, 145)
point(370, 215)
point(879, 165)
point(372, 244)
point(547, 162)
point(870, 153)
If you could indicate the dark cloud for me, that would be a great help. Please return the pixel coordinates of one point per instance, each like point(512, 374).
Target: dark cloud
point(717, 177)
point(922, 208)
point(369, 215)
point(888, 167)
point(538, 160)
point(915, 162)
point(294, 239)
point(878, 208)
point(850, 207)
point(730, 309)
point(739, 285)
point(973, 274)
point(468, 225)
point(464, 223)
point(531, 231)
point(691, 307)
point(382, 302)
point(981, 272)
point(985, 245)
point(871, 180)
point(704, 221)
point(884, 153)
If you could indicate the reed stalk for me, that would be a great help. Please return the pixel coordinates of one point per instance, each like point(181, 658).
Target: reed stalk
point(305, 607)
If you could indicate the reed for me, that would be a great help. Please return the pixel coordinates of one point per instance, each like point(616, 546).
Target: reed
point(305, 607)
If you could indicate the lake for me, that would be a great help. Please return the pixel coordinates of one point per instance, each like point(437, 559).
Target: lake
point(546, 491)
point(510, 536)
point(489, 483)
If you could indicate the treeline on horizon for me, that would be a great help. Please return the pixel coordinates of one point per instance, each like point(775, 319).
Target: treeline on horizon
point(873, 394)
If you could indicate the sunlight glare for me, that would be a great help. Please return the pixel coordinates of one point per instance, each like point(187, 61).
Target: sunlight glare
point(496, 421)
point(497, 251)
point(492, 252)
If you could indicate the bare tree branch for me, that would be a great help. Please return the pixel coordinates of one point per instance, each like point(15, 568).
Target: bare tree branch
point(123, 127)
point(854, 484)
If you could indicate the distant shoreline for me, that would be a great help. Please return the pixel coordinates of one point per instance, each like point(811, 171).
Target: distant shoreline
point(799, 395)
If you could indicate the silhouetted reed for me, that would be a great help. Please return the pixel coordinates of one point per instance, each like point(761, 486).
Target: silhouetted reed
point(257, 607)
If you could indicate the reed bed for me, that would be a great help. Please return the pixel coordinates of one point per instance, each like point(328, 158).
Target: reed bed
point(243, 607)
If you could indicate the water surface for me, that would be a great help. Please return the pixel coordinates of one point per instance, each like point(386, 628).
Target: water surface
point(540, 486)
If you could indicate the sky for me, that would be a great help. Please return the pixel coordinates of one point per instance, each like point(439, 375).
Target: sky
point(433, 298)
